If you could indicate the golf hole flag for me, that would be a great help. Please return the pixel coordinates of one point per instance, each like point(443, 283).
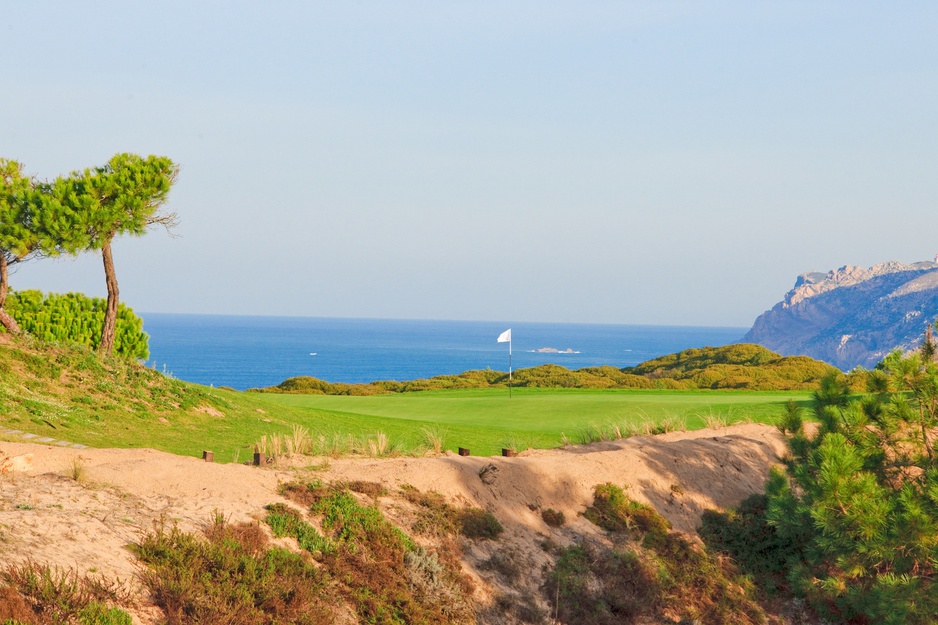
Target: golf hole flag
point(505, 337)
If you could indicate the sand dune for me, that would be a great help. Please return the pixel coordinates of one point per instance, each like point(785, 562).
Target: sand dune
point(49, 517)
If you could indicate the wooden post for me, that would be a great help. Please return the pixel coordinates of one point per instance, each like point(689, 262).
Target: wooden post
point(508, 453)
point(463, 451)
point(208, 456)
point(258, 458)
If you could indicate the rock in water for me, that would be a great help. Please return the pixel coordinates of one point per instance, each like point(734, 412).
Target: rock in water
point(852, 316)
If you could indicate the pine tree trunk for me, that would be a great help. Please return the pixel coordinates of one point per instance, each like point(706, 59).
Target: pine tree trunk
point(5, 318)
point(109, 329)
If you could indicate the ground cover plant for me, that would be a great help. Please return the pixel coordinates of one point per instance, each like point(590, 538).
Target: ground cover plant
point(73, 394)
point(382, 572)
point(34, 594)
point(231, 576)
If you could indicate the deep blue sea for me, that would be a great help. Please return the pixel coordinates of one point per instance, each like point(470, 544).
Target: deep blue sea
point(251, 352)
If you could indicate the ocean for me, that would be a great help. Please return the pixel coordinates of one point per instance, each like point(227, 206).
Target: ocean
point(252, 352)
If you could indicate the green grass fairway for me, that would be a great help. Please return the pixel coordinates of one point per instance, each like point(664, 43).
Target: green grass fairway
point(486, 420)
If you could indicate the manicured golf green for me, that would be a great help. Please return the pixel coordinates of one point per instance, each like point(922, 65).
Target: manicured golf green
point(485, 420)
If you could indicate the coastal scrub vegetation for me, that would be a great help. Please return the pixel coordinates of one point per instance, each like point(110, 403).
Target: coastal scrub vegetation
point(742, 366)
point(649, 571)
point(851, 522)
point(385, 575)
point(231, 575)
point(34, 594)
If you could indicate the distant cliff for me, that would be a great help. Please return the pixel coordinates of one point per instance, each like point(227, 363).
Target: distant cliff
point(852, 316)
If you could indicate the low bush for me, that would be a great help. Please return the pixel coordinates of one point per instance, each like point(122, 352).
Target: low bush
point(591, 585)
point(285, 521)
point(553, 518)
point(230, 576)
point(613, 511)
point(677, 576)
point(381, 571)
point(44, 595)
point(476, 523)
point(745, 534)
point(741, 366)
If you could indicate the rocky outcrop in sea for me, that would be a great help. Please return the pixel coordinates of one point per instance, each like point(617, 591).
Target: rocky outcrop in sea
point(852, 316)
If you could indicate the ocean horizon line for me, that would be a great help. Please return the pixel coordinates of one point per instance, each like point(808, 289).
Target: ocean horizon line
point(745, 329)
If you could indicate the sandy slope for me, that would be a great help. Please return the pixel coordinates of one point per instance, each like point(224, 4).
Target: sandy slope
point(47, 516)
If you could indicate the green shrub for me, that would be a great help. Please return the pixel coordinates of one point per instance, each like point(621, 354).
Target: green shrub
point(856, 509)
point(476, 523)
point(553, 517)
point(591, 585)
point(613, 511)
point(42, 594)
point(732, 366)
point(99, 614)
point(285, 521)
point(746, 534)
point(677, 575)
point(383, 574)
point(230, 577)
point(76, 318)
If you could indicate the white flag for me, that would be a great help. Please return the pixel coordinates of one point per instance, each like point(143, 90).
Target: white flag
point(505, 337)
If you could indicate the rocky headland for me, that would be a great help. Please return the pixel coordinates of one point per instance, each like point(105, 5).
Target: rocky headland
point(852, 316)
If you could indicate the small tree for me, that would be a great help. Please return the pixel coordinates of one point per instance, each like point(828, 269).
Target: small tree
point(857, 504)
point(122, 197)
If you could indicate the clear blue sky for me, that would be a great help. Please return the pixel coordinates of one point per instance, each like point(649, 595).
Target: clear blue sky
point(612, 162)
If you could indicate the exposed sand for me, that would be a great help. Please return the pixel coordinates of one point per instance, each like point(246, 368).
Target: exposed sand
point(47, 516)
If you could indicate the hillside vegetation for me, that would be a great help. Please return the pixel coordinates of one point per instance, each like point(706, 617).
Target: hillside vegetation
point(743, 366)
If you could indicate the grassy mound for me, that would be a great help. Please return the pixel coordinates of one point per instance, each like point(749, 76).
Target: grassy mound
point(741, 366)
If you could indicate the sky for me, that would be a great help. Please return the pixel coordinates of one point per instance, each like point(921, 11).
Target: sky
point(665, 163)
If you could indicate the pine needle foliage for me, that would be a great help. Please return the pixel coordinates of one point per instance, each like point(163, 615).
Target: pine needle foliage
point(856, 506)
point(76, 318)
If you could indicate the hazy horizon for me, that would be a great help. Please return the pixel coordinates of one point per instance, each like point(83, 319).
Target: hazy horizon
point(144, 313)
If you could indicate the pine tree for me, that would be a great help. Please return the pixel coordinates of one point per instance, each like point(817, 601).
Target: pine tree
point(857, 502)
point(122, 197)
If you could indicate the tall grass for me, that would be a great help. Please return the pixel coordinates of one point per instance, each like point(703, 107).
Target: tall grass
point(434, 437)
point(78, 471)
